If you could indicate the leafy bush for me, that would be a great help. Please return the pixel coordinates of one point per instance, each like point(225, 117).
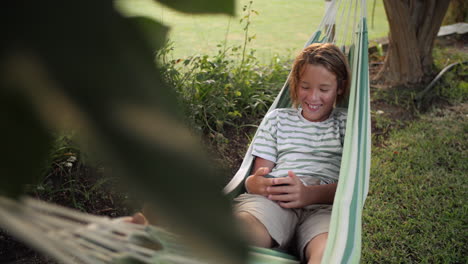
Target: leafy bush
point(227, 89)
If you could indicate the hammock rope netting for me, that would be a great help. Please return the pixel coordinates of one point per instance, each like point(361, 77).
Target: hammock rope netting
point(70, 236)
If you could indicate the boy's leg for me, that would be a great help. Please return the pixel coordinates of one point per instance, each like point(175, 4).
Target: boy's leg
point(312, 233)
point(255, 231)
point(265, 223)
point(315, 248)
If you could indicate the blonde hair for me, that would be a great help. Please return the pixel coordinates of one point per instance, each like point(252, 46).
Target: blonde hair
point(326, 55)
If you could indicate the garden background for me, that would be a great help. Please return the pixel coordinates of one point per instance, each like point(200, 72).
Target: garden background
point(227, 72)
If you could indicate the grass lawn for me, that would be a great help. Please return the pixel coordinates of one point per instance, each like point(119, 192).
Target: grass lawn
point(282, 26)
point(417, 210)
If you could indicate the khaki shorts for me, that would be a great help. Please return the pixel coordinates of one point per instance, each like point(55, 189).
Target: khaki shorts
point(289, 228)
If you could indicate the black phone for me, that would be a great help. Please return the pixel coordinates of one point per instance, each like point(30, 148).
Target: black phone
point(270, 176)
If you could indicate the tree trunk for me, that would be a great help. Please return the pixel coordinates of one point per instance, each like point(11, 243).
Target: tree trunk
point(413, 28)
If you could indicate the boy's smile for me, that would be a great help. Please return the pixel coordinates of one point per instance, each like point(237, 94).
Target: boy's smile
point(317, 92)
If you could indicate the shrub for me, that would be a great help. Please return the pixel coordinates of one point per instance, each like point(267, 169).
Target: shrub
point(226, 89)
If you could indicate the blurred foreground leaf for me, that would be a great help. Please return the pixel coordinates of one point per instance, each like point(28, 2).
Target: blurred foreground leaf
point(25, 142)
point(201, 6)
point(81, 63)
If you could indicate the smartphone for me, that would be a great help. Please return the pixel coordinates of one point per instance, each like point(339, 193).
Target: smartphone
point(271, 176)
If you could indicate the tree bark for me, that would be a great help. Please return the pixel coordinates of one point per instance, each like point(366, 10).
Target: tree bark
point(413, 28)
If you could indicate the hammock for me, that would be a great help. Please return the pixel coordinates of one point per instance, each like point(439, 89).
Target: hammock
point(344, 238)
point(74, 237)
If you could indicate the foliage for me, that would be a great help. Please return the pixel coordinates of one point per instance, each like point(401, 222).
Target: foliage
point(444, 54)
point(416, 211)
point(72, 178)
point(227, 88)
point(453, 86)
point(83, 65)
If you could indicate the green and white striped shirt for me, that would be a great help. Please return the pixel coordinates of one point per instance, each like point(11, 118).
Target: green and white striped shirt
point(312, 150)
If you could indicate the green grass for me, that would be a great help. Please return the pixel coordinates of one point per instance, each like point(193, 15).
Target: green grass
point(417, 209)
point(282, 26)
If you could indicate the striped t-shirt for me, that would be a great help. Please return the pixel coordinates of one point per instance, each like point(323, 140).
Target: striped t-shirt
point(312, 150)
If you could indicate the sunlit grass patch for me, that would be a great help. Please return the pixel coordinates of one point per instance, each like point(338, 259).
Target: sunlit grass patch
point(281, 26)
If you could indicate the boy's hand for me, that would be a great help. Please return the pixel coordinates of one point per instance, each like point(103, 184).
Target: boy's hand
point(258, 183)
point(294, 194)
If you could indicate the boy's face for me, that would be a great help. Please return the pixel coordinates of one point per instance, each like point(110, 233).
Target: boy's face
point(317, 91)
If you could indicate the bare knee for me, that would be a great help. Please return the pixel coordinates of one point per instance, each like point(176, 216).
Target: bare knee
point(255, 231)
point(315, 248)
